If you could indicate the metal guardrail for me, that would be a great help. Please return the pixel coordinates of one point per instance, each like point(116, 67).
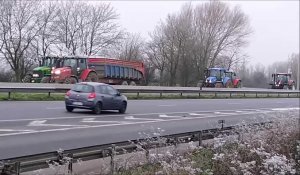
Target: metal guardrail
point(230, 93)
point(15, 166)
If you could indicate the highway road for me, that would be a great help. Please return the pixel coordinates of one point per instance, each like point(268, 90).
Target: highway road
point(36, 127)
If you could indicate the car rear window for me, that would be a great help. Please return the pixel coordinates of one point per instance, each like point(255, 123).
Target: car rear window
point(83, 88)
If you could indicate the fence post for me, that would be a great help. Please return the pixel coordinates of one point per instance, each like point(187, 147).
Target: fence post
point(70, 166)
point(200, 138)
point(112, 161)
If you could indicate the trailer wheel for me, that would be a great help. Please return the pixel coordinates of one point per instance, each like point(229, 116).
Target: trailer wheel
point(27, 78)
point(92, 77)
point(218, 85)
point(45, 79)
point(70, 80)
point(125, 83)
point(132, 83)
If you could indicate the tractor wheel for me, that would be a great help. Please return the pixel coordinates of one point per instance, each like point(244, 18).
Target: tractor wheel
point(239, 85)
point(45, 80)
point(27, 78)
point(228, 84)
point(125, 83)
point(70, 80)
point(132, 83)
point(218, 85)
point(92, 77)
point(292, 87)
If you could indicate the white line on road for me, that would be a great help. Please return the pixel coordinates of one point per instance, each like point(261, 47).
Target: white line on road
point(196, 114)
point(14, 130)
point(134, 118)
point(119, 124)
point(43, 123)
point(92, 120)
point(144, 114)
point(223, 113)
point(169, 116)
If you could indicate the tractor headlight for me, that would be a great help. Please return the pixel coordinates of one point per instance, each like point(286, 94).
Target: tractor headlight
point(35, 75)
point(57, 72)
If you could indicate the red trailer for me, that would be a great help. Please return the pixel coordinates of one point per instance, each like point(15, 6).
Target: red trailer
point(99, 69)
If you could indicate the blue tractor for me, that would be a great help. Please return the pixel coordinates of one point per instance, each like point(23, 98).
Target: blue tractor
point(217, 77)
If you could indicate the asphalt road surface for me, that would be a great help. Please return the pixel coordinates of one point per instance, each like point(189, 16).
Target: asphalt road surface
point(36, 127)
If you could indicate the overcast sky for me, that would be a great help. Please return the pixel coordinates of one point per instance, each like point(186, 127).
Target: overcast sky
point(275, 24)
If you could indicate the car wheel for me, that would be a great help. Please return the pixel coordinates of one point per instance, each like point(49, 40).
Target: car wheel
point(97, 109)
point(69, 108)
point(123, 108)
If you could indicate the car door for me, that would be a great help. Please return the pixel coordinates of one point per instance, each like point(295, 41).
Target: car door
point(116, 100)
point(107, 99)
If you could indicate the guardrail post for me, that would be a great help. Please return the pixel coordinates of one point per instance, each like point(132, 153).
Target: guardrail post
point(49, 94)
point(160, 95)
point(9, 95)
point(278, 94)
point(288, 94)
point(200, 138)
point(215, 95)
point(244, 94)
point(230, 95)
point(255, 94)
point(70, 165)
point(180, 94)
point(138, 94)
point(17, 168)
point(112, 161)
point(199, 95)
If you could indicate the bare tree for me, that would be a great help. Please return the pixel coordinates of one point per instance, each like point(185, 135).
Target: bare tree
point(20, 23)
point(86, 29)
point(200, 37)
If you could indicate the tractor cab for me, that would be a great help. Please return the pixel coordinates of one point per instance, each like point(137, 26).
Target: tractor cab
point(214, 76)
point(282, 80)
point(70, 68)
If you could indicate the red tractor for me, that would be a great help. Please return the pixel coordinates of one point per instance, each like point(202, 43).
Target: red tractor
point(236, 81)
point(282, 81)
point(105, 70)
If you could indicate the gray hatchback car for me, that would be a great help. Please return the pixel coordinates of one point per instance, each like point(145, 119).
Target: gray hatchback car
point(96, 97)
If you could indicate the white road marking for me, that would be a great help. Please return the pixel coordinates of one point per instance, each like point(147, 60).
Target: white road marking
point(223, 113)
point(145, 114)
point(284, 109)
point(92, 120)
point(14, 130)
point(168, 116)
point(43, 123)
point(119, 124)
point(166, 105)
point(134, 118)
point(240, 111)
point(196, 114)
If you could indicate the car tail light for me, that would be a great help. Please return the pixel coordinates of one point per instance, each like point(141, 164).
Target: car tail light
point(68, 94)
point(92, 95)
